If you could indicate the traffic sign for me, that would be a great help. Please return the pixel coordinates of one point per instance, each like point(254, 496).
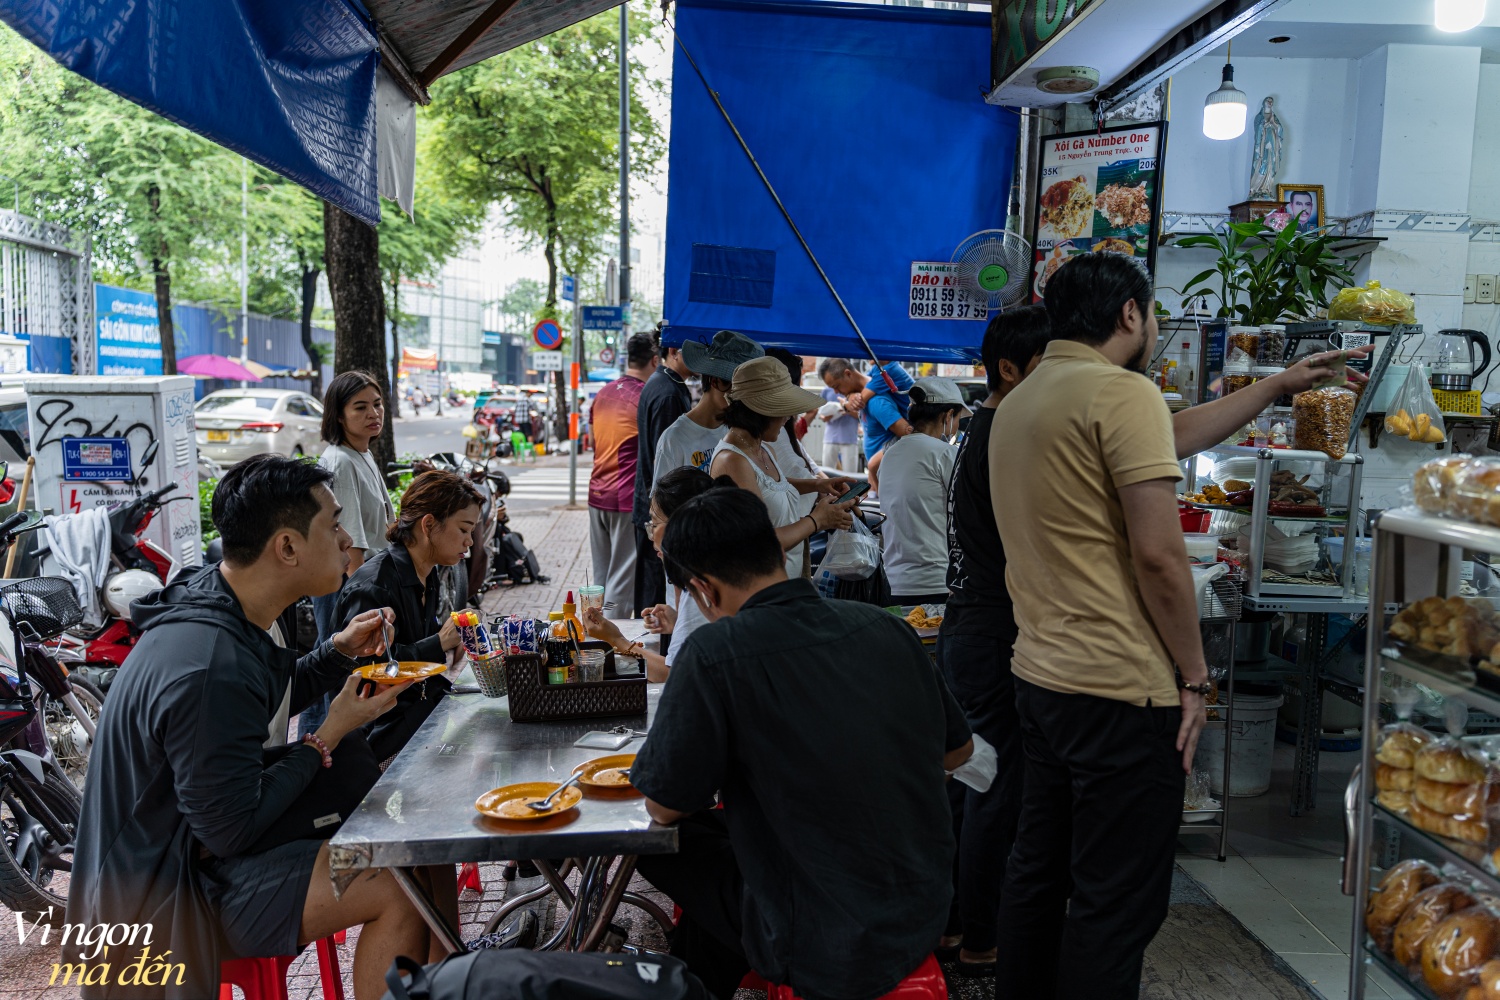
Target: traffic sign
point(567, 288)
point(603, 317)
point(547, 361)
point(607, 355)
point(547, 334)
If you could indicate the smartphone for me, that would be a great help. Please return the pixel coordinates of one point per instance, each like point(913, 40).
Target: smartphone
point(855, 492)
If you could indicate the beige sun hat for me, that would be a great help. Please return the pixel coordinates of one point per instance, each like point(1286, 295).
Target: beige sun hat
point(764, 385)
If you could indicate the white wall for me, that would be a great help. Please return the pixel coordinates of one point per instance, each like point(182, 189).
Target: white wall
point(1484, 180)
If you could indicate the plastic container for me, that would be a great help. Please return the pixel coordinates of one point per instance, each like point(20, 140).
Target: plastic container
point(1363, 548)
point(1272, 348)
point(1193, 519)
point(1251, 750)
point(1201, 548)
point(1234, 382)
point(1245, 339)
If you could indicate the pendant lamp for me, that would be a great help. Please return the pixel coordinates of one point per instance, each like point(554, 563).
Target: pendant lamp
point(1457, 15)
point(1224, 109)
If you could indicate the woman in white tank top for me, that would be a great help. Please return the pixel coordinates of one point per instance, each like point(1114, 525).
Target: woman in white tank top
point(760, 399)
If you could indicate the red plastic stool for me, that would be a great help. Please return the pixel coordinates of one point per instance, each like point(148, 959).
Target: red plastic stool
point(265, 978)
point(926, 983)
point(468, 877)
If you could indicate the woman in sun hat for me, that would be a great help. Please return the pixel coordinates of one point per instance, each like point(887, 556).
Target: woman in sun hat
point(760, 399)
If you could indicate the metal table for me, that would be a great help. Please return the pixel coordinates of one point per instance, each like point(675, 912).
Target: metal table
point(421, 812)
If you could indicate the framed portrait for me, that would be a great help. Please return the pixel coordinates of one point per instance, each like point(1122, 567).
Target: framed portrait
point(1304, 203)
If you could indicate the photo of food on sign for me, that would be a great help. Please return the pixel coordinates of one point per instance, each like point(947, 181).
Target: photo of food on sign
point(1067, 207)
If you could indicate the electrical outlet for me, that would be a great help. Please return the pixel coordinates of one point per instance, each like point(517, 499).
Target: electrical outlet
point(1470, 281)
point(1484, 288)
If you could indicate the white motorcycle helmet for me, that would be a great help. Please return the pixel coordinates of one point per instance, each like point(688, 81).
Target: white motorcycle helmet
point(130, 585)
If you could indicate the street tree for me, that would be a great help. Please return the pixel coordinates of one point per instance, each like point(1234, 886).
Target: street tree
point(536, 131)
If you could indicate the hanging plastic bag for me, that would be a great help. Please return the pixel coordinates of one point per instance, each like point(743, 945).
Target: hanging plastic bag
point(1416, 417)
point(1373, 304)
point(1451, 788)
point(852, 554)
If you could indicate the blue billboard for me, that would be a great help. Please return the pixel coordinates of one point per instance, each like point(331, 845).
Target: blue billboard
point(129, 334)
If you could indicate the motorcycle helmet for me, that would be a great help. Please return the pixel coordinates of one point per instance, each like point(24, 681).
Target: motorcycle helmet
point(131, 585)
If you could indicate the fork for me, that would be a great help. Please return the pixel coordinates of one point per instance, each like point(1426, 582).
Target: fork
point(546, 804)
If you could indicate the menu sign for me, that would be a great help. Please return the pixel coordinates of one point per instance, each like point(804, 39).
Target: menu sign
point(1098, 191)
point(1023, 27)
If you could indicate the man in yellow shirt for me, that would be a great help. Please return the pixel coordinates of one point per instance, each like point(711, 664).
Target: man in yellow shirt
point(1098, 572)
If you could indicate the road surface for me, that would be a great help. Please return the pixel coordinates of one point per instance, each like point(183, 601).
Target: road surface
point(533, 487)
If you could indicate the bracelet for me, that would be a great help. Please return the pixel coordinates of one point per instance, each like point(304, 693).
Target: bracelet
point(1205, 689)
point(312, 740)
point(814, 523)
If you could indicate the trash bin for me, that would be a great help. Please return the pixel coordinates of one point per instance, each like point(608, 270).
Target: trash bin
point(1253, 743)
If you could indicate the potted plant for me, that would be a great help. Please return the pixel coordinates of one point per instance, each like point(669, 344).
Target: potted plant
point(1266, 273)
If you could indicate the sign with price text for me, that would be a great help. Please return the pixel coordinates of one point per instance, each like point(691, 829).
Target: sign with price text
point(936, 294)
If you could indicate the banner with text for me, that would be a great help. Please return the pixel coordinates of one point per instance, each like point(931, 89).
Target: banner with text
point(1098, 191)
point(129, 334)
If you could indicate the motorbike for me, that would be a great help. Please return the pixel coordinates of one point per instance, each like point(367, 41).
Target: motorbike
point(39, 805)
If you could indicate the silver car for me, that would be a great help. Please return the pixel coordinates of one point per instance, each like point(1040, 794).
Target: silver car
point(234, 424)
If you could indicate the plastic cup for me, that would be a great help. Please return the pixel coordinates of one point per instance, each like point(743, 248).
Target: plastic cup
point(590, 664)
point(590, 597)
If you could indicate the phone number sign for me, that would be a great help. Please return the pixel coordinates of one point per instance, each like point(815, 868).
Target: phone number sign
point(936, 294)
point(96, 459)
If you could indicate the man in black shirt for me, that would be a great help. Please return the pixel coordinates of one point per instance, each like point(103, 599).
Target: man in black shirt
point(825, 731)
point(664, 398)
point(975, 641)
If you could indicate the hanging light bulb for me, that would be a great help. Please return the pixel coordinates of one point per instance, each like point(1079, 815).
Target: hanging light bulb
point(1457, 15)
point(1224, 109)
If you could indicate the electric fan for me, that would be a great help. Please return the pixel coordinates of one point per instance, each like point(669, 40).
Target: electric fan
point(994, 265)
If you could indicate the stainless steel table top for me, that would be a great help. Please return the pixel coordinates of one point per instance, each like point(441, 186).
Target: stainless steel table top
point(421, 812)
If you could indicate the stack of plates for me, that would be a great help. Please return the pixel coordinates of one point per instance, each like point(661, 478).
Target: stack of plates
point(1241, 467)
point(1292, 556)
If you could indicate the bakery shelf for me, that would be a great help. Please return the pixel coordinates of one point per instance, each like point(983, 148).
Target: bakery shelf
point(1448, 677)
point(1417, 987)
point(1414, 523)
point(1469, 857)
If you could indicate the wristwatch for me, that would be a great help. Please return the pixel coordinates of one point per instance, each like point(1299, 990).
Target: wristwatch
point(1205, 689)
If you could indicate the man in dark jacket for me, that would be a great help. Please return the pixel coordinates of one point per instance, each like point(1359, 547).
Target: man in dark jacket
point(663, 400)
point(181, 785)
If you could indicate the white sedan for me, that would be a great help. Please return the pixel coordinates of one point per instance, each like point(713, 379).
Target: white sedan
point(234, 424)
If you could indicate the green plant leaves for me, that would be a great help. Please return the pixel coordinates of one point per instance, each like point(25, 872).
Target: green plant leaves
point(1264, 275)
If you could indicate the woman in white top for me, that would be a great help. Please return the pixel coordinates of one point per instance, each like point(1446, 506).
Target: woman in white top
point(679, 619)
point(760, 400)
point(353, 416)
point(914, 479)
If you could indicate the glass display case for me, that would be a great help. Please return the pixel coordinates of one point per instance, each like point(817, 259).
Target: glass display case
point(1284, 515)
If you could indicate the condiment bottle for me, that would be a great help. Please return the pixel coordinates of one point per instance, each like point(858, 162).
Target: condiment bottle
point(570, 613)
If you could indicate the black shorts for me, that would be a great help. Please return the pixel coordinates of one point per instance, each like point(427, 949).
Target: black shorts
point(259, 898)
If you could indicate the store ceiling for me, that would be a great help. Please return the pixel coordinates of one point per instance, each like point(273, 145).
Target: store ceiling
point(1336, 29)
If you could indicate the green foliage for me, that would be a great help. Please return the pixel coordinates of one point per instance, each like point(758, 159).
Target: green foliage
point(1264, 275)
point(205, 509)
point(536, 131)
point(521, 305)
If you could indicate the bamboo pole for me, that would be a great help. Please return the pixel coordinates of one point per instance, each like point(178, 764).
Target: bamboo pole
point(10, 558)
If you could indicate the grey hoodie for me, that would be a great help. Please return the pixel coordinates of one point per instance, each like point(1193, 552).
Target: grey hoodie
point(177, 769)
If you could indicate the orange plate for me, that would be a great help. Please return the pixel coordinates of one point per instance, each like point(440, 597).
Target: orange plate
point(411, 670)
point(596, 772)
point(508, 802)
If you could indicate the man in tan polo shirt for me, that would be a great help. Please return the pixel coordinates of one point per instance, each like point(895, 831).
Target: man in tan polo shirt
point(1098, 572)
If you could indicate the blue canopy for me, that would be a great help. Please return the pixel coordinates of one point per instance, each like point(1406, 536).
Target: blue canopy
point(871, 124)
point(290, 84)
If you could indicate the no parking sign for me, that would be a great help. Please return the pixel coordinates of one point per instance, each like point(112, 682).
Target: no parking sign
point(547, 334)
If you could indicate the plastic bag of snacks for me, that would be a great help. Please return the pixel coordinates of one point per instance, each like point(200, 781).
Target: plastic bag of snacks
point(1450, 794)
point(1373, 304)
point(1396, 891)
point(1432, 484)
point(1475, 495)
point(1396, 753)
point(1323, 417)
point(1417, 417)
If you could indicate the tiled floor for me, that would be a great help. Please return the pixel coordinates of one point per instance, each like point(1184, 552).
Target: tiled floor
point(1282, 878)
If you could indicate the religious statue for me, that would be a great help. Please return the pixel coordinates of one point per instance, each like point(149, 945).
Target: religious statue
point(1265, 161)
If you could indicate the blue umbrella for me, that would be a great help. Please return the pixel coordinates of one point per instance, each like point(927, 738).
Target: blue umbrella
point(603, 374)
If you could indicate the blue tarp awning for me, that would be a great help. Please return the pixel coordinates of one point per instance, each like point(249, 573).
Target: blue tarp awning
point(871, 124)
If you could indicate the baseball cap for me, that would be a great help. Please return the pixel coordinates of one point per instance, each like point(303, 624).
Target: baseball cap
point(719, 359)
point(937, 391)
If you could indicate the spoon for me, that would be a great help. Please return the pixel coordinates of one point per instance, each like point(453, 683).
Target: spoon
point(392, 668)
point(546, 804)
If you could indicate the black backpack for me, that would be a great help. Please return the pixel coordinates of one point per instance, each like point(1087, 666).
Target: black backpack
point(517, 974)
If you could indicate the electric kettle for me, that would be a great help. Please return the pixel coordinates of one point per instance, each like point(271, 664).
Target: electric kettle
point(1454, 369)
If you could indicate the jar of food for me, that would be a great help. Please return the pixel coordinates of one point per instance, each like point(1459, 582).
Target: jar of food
point(1236, 377)
point(1245, 339)
point(1272, 349)
point(1323, 418)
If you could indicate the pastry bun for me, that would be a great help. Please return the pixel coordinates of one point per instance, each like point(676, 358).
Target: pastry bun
point(1393, 895)
point(1389, 778)
point(1426, 911)
point(1475, 830)
point(1449, 763)
point(1399, 748)
point(1452, 800)
point(1457, 947)
point(1397, 802)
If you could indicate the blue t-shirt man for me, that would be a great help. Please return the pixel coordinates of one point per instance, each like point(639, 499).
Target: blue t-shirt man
point(884, 409)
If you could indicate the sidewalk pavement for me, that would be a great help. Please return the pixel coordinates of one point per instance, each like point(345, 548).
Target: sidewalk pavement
point(560, 538)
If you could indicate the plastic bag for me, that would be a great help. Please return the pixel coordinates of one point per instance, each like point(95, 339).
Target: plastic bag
point(852, 554)
point(1475, 494)
point(1417, 417)
point(1323, 417)
point(1395, 755)
point(1373, 304)
point(1433, 483)
point(1451, 790)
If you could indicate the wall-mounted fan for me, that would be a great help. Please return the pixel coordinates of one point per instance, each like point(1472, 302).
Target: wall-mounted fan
point(995, 265)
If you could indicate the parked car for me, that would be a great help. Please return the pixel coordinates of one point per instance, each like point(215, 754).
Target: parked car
point(234, 424)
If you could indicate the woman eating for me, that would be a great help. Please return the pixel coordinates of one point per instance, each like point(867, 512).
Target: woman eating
point(914, 481)
point(672, 490)
point(760, 400)
point(353, 416)
point(439, 512)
